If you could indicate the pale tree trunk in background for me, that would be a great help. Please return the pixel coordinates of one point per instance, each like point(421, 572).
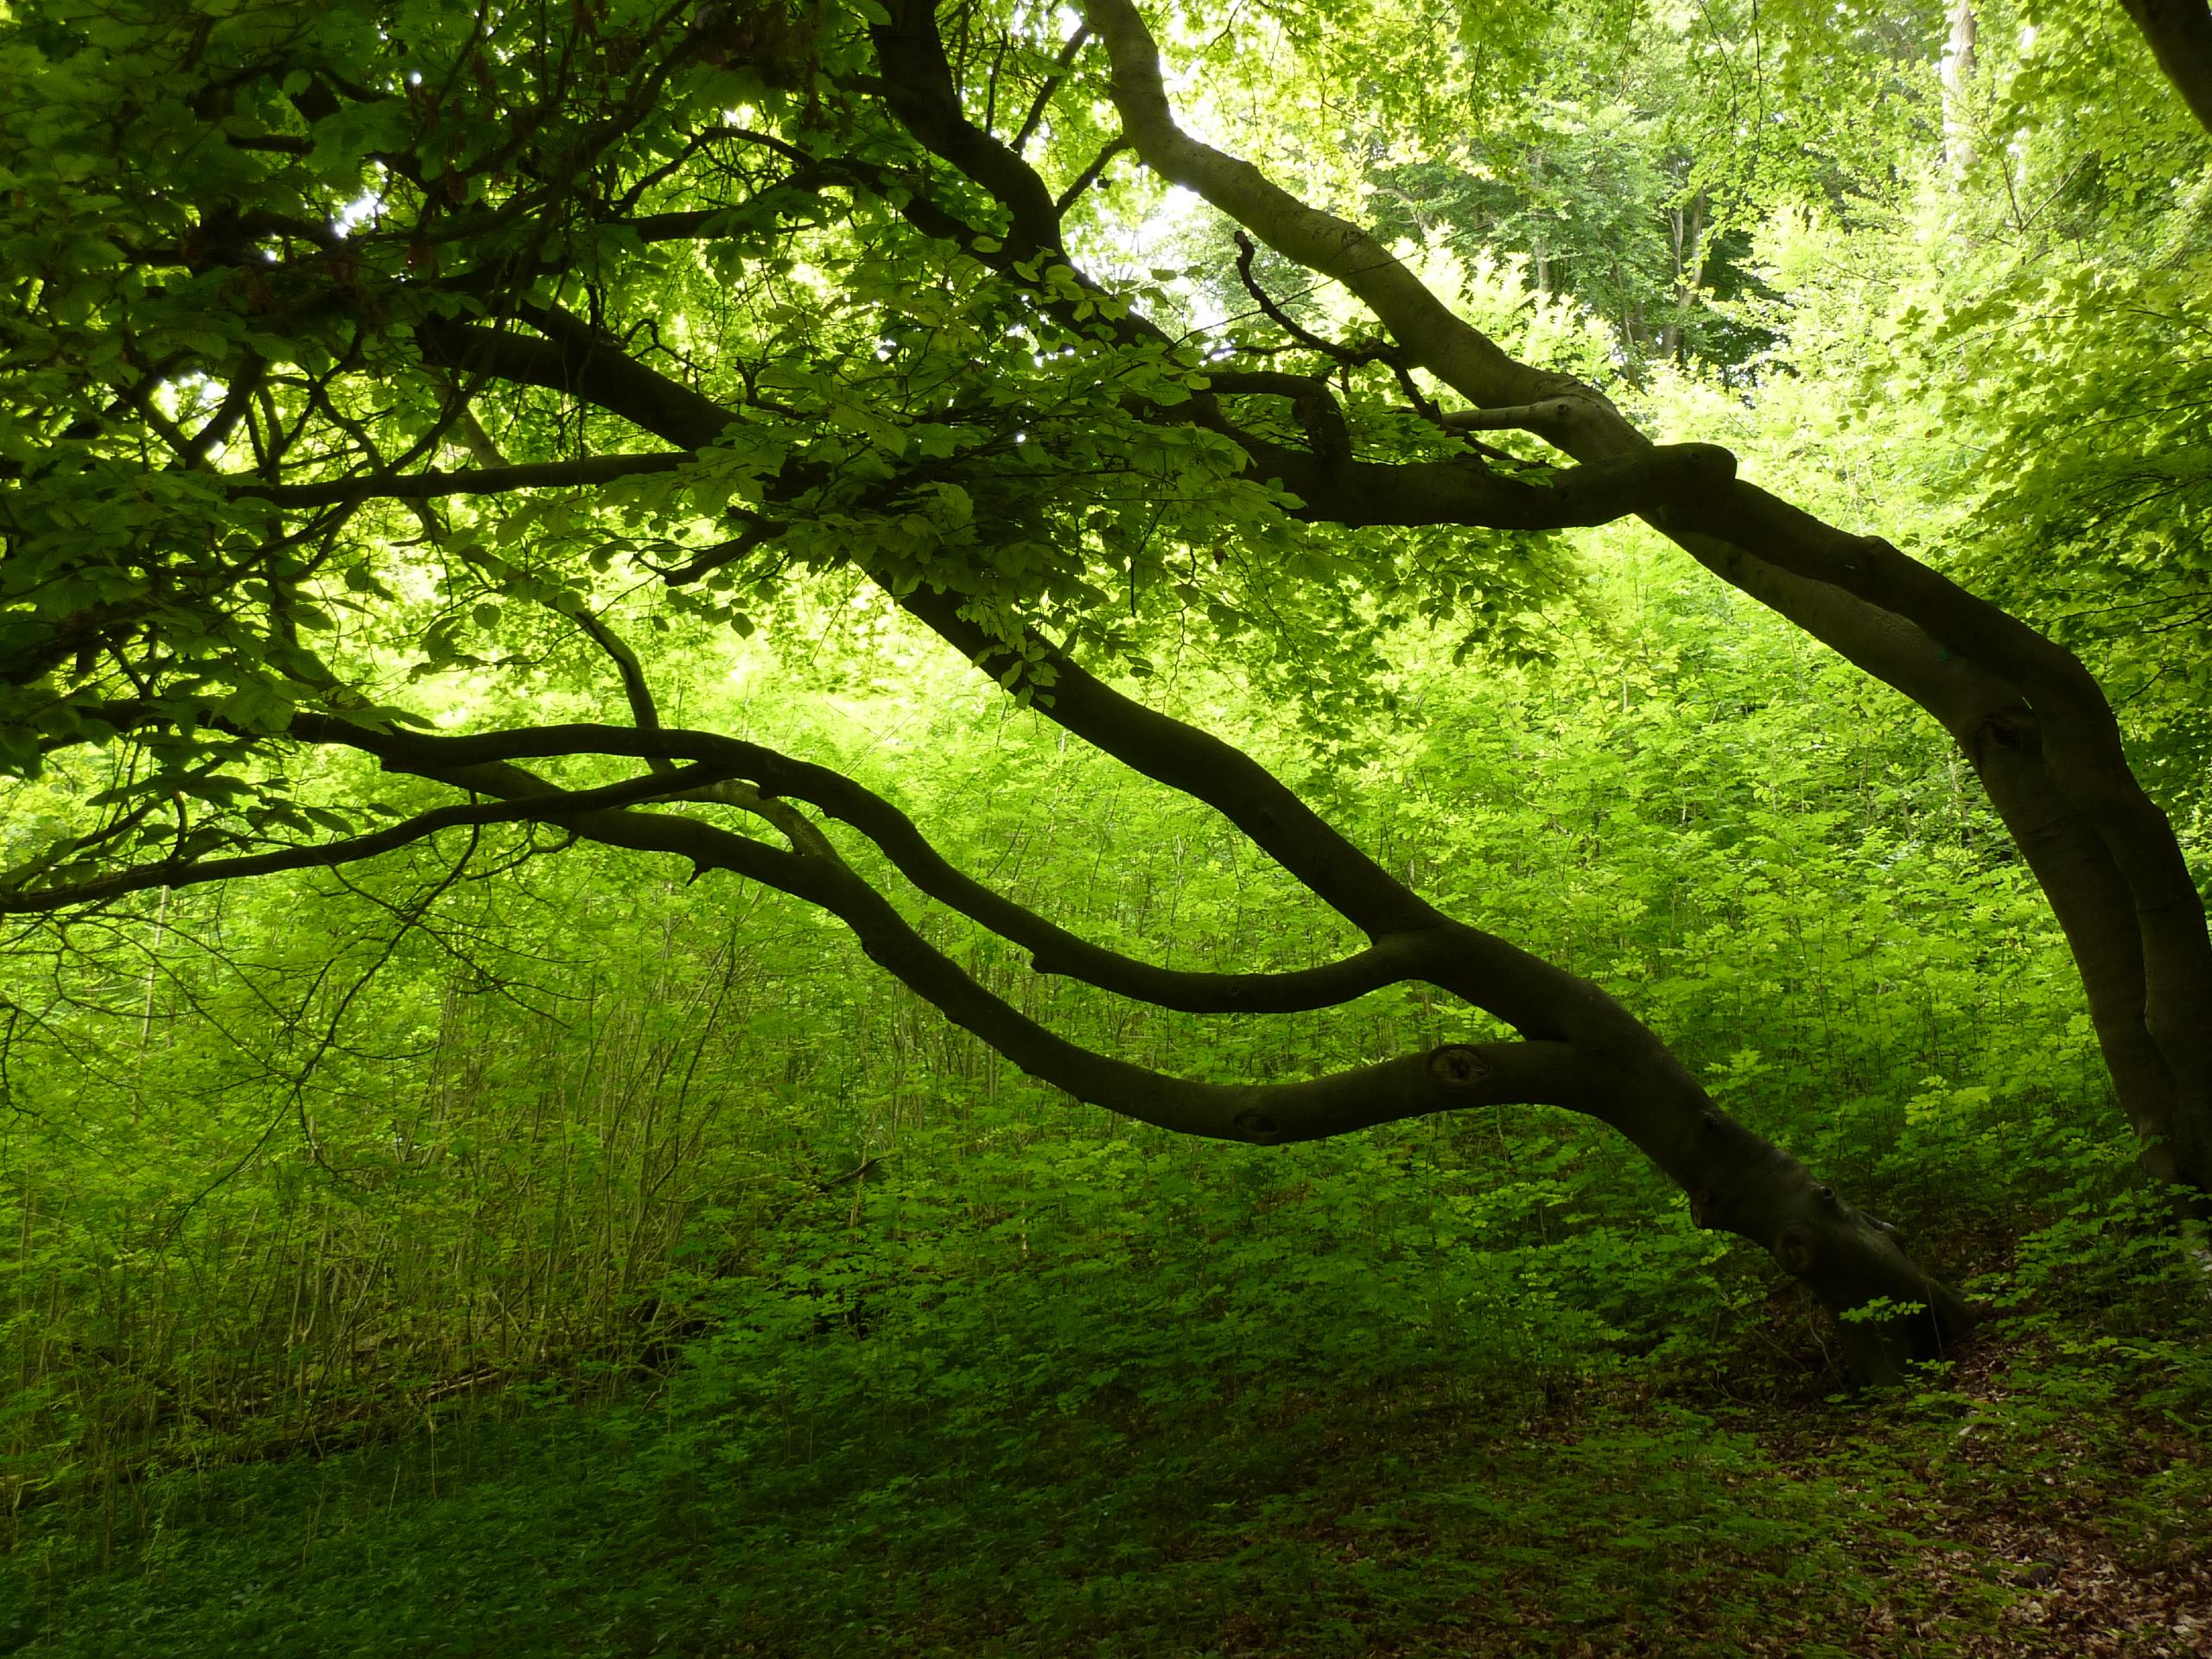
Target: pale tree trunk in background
point(1957, 72)
point(1690, 270)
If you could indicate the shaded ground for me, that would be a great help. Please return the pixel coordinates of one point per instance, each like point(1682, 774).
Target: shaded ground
point(2028, 1506)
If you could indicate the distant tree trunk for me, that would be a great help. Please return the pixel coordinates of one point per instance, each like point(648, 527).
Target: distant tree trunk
point(1957, 73)
point(1688, 225)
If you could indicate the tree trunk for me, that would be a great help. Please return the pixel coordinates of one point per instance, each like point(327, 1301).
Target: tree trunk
point(1690, 270)
point(1956, 73)
point(2180, 34)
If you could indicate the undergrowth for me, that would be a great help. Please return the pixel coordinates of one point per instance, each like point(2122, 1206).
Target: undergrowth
point(851, 1457)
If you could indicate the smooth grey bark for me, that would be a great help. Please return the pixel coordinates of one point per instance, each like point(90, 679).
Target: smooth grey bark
point(1955, 74)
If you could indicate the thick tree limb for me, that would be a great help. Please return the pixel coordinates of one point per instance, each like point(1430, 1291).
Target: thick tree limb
point(581, 364)
point(1459, 354)
point(918, 85)
point(1397, 956)
point(1881, 599)
point(477, 480)
point(1451, 1077)
point(2180, 34)
point(186, 872)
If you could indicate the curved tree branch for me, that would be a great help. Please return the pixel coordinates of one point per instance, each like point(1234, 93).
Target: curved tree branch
point(1450, 1077)
point(1405, 953)
point(636, 690)
point(196, 871)
point(1877, 600)
point(477, 481)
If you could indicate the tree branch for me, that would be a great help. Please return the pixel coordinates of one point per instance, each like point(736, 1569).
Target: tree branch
point(477, 480)
point(918, 84)
point(1405, 954)
point(1448, 1078)
point(1441, 342)
point(643, 710)
point(187, 873)
point(1069, 52)
point(1089, 175)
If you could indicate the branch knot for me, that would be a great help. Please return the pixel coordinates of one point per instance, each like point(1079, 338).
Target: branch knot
point(1457, 1066)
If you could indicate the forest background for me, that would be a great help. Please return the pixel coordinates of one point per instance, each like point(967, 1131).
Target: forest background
point(510, 1245)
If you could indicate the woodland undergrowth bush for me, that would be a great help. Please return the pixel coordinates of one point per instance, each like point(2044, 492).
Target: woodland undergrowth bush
point(514, 1160)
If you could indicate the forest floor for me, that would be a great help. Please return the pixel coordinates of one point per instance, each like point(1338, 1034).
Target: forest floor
point(2031, 1501)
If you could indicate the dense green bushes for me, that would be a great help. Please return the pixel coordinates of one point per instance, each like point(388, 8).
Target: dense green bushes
point(561, 1125)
